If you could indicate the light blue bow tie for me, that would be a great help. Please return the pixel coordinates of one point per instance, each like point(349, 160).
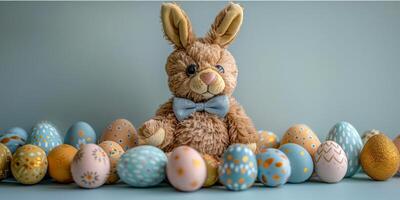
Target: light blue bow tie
point(183, 108)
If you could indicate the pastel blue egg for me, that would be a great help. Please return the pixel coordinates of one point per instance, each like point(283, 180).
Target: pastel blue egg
point(45, 135)
point(80, 133)
point(348, 138)
point(301, 162)
point(142, 166)
point(14, 138)
point(273, 167)
point(238, 170)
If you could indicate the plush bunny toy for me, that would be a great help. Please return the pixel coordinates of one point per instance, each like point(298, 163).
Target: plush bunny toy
point(202, 75)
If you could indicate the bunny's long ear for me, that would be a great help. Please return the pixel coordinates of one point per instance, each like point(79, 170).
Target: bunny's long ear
point(226, 25)
point(176, 25)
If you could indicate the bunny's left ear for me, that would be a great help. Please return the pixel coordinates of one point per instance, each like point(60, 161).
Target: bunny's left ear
point(226, 25)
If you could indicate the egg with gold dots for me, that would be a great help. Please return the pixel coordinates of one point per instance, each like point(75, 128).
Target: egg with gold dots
point(80, 133)
point(267, 139)
point(238, 170)
point(29, 164)
point(301, 162)
point(273, 167)
point(45, 135)
point(5, 160)
point(186, 169)
point(302, 135)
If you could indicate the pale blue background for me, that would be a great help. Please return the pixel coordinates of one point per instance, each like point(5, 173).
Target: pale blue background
point(300, 62)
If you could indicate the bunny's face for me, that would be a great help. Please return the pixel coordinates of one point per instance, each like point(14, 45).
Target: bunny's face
point(200, 69)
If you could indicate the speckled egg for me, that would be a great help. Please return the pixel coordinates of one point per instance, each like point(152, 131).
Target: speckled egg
point(380, 158)
point(396, 142)
point(267, 139)
point(186, 169)
point(302, 135)
point(14, 138)
point(80, 133)
point(368, 134)
point(90, 166)
point(212, 170)
point(122, 132)
point(273, 167)
point(60, 160)
point(142, 166)
point(301, 162)
point(29, 164)
point(45, 135)
point(114, 152)
point(5, 160)
point(238, 170)
point(330, 162)
point(344, 134)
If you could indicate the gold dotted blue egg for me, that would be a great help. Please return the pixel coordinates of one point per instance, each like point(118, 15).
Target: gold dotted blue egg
point(45, 135)
point(273, 167)
point(301, 162)
point(238, 170)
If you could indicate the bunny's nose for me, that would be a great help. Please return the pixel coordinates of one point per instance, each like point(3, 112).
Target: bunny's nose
point(207, 77)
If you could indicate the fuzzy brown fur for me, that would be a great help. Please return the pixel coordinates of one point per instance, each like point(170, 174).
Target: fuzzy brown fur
point(207, 133)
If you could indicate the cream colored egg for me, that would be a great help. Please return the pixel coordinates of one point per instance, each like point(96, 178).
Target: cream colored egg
point(114, 152)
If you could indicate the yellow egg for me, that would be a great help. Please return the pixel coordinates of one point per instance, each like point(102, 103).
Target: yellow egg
point(5, 160)
point(114, 152)
point(302, 135)
point(60, 159)
point(266, 139)
point(380, 158)
point(212, 170)
point(29, 164)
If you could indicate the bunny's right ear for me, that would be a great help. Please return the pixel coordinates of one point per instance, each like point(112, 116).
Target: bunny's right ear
point(176, 25)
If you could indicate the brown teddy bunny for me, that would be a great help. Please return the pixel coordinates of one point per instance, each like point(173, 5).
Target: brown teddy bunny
point(202, 75)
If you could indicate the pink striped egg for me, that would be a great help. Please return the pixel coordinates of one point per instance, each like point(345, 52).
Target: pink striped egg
point(330, 162)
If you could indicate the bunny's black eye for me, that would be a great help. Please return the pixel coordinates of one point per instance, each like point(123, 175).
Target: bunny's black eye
point(191, 69)
point(220, 68)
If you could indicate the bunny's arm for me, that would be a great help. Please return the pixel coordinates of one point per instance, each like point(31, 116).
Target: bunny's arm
point(158, 131)
point(240, 126)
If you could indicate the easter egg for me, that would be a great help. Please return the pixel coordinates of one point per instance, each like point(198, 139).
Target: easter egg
point(13, 138)
point(5, 160)
point(302, 135)
point(122, 132)
point(273, 167)
point(344, 134)
point(330, 162)
point(267, 139)
point(396, 142)
point(301, 162)
point(90, 166)
point(212, 170)
point(29, 164)
point(142, 166)
point(114, 152)
point(380, 158)
point(186, 169)
point(238, 170)
point(80, 133)
point(368, 134)
point(60, 160)
point(45, 135)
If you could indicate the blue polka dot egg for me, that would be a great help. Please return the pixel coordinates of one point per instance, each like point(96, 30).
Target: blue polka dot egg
point(238, 170)
point(301, 162)
point(273, 167)
point(344, 134)
point(45, 135)
point(142, 166)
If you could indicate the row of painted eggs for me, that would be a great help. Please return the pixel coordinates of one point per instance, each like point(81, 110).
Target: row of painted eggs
point(143, 166)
